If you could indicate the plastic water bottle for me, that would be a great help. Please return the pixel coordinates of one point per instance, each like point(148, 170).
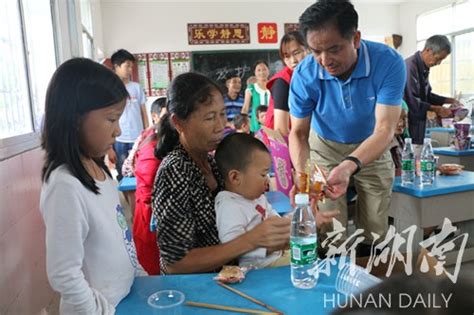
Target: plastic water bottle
point(408, 163)
point(428, 167)
point(303, 244)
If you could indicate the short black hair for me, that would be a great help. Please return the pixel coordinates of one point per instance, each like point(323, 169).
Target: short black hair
point(262, 108)
point(235, 152)
point(231, 74)
point(158, 104)
point(327, 13)
point(77, 87)
point(239, 120)
point(120, 56)
point(258, 62)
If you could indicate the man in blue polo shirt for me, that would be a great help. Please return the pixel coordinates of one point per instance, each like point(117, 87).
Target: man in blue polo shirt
point(347, 95)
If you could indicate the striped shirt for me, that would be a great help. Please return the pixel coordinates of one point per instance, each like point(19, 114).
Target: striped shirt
point(184, 207)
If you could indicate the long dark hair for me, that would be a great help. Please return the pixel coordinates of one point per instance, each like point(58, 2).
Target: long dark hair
point(78, 86)
point(186, 93)
point(287, 38)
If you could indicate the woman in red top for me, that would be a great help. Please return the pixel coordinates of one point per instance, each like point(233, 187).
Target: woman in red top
point(146, 166)
point(292, 51)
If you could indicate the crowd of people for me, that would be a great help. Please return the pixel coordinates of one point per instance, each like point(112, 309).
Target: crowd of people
point(201, 175)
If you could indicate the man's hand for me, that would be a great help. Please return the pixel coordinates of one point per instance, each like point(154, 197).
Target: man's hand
point(441, 111)
point(338, 179)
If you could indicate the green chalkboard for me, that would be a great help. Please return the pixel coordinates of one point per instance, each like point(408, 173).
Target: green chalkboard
point(216, 64)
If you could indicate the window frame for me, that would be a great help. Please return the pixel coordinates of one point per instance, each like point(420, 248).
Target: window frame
point(18, 144)
point(452, 38)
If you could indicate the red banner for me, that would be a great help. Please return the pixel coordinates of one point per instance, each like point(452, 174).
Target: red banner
point(267, 33)
point(218, 33)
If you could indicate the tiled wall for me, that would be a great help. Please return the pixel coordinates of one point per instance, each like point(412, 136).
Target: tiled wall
point(24, 288)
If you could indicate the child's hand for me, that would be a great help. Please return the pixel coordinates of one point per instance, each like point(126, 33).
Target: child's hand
point(274, 232)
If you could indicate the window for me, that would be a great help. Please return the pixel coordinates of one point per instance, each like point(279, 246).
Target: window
point(454, 21)
point(15, 111)
point(464, 54)
point(27, 61)
point(87, 34)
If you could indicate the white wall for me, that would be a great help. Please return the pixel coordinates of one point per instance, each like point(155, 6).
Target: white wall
point(162, 26)
point(408, 13)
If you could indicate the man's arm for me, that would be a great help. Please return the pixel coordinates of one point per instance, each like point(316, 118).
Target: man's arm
point(386, 118)
point(298, 141)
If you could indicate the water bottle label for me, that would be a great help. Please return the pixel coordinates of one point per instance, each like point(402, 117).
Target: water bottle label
point(427, 166)
point(408, 165)
point(302, 254)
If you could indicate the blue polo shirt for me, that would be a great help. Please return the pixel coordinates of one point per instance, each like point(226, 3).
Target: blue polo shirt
point(344, 111)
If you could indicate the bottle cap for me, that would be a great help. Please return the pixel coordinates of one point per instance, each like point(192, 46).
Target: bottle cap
point(427, 140)
point(301, 199)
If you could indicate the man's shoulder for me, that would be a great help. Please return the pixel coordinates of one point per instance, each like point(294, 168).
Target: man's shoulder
point(382, 52)
point(307, 68)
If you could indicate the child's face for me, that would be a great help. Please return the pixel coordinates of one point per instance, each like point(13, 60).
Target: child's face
point(99, 128)
point(234, 85)
point(261, 117)
point(401, 125)
point(293, 53)
point(254, 181)
point(124, 71)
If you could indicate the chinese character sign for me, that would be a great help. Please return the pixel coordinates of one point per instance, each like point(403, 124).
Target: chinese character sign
point(218, 33)
point(267, 33)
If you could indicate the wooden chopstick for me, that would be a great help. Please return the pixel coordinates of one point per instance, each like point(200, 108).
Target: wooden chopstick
point(248, 297)
point(229, 308)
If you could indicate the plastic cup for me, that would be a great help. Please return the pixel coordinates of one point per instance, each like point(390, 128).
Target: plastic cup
point(353, 279)
point(166, 302)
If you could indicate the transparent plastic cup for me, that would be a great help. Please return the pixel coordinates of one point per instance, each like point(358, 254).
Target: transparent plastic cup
point(353, 279)
point(167, 302)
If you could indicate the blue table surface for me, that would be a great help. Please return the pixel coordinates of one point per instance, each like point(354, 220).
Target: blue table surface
point(443, 129)
point(441, 186)
point(271, 286)
point(128, 183)
point(452, 152)
point(279, 201)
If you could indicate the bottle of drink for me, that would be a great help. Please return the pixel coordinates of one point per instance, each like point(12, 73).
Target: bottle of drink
point(427, 163)
point(303, 244)
point(408, 163)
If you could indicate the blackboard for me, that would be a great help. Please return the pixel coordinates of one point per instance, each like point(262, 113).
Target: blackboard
point(216, 64)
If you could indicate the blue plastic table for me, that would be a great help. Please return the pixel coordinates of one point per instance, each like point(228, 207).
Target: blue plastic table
point(127, 184)
point(279, 201)
point(450, 155)
point(426, 206)
point(271, 285)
